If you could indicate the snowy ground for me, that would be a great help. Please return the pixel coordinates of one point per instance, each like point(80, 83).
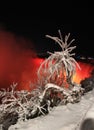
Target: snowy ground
point(69, 117)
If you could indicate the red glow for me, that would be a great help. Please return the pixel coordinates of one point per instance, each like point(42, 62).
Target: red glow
point(30, 74)
point(19, 64)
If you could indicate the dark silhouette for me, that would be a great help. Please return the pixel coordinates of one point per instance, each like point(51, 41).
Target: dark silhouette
point(88, 124)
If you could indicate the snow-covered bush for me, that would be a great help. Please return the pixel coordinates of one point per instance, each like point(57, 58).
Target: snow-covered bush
point(23, 102)
point(60, 66)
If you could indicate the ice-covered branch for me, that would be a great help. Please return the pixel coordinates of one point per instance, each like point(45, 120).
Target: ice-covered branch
point(58, 62)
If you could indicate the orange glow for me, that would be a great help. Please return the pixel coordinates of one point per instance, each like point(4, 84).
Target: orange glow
point(30, 75)
point(80, 74)
point(85, 72)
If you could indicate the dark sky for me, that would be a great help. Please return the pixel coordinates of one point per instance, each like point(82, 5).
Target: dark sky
point(35, 24)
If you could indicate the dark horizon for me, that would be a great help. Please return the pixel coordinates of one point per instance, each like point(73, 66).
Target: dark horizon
point(34, 28)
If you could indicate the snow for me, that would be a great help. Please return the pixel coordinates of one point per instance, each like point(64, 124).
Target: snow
point(64, 117)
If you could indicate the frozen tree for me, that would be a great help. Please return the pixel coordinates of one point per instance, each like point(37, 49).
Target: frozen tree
point(60, 66)
point(56, 72)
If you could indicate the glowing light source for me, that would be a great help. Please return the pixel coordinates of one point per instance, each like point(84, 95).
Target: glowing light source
point(85, 72)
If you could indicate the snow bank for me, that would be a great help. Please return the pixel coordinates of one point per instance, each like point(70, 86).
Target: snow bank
point(68, 117)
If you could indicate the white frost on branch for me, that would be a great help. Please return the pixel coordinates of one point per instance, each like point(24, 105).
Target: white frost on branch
point(59, 61)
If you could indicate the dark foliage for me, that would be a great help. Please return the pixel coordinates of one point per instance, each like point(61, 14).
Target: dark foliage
point(88, 83)
point(88, 124)
point(8, 120)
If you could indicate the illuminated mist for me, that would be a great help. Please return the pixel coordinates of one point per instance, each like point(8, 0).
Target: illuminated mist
point(19, 64)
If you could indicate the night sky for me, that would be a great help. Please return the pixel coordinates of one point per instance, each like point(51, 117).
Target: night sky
point(34, 26)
